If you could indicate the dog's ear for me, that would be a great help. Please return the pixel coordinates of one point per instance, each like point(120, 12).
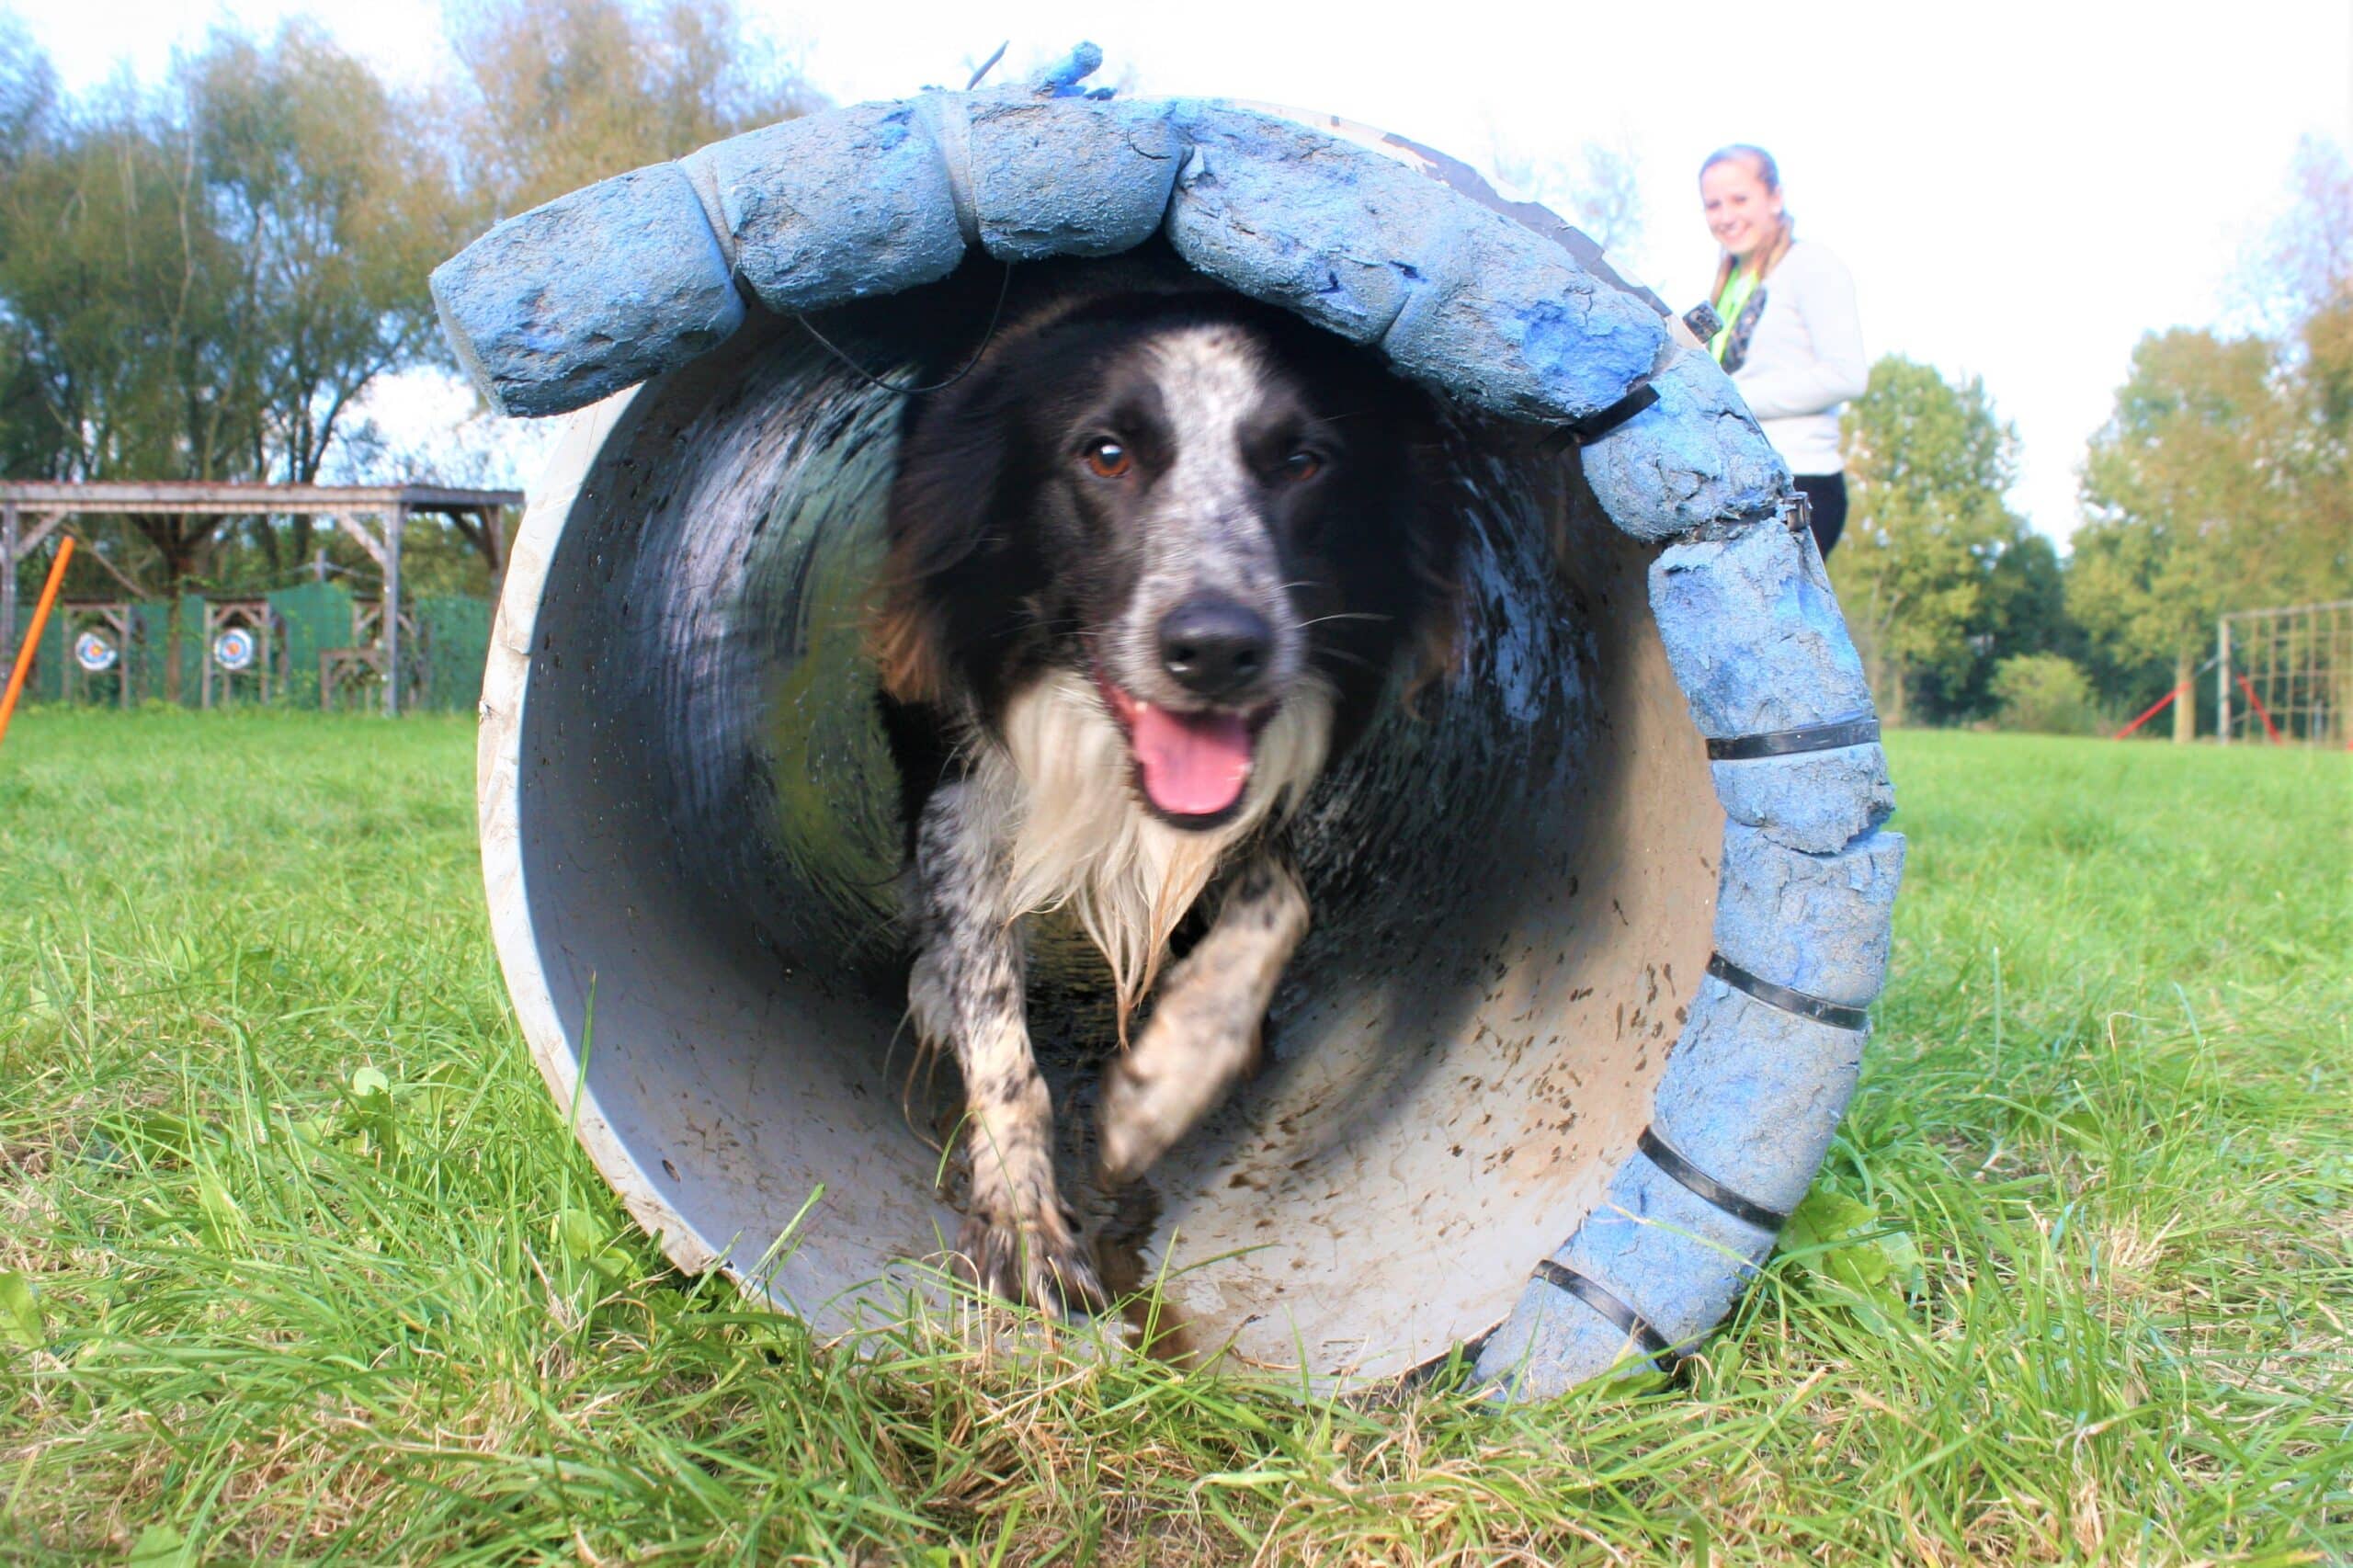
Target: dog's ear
point(943, 503)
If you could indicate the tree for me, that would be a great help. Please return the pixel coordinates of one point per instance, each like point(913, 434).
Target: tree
point(198, 281)
point(566, 92)
point(2021, 612)
point(28, 113)
point(2197, 497)
point(1927, 463)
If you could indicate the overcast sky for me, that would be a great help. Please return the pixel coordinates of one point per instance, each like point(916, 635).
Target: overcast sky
point(2021, 190)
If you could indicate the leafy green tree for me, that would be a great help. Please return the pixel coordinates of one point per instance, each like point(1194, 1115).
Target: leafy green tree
point(28, 113)
point(566, 92)
point(2021, 611)
point(2205, 492)
point(1927, 463)
point(199, 281)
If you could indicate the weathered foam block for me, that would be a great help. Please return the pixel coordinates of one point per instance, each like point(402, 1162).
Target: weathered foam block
point(1374, 251)
point(1754, 634)
point(1814, 923)
point(1059, 177)
point(834, 207)
point(594, 293)
point(597, 291)
point(1520, 330)
point(1693, 457)
point(1551, 1342)
point(1292, 216)
point(1671, 1255)
point(1752, 1094)
point(1814, 802)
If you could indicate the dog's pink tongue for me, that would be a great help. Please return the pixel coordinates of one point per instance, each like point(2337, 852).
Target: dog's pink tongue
point(1194, 764)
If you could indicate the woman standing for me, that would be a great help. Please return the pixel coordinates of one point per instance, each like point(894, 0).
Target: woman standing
point(1790, 342)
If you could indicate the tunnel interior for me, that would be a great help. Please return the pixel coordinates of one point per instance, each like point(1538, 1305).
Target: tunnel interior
point(1513, 883)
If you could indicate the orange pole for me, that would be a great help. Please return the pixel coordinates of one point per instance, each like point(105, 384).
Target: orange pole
point(33, 634)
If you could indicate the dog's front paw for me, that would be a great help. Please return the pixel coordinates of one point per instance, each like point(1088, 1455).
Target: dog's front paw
point(1036, 1260)
point(1141, 1116)
point(1154, 1094)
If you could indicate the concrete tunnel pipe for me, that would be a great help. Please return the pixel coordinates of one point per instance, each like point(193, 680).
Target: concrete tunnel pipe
point(1594, 933)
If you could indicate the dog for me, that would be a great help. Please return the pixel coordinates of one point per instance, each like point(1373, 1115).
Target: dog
point(1152, 562)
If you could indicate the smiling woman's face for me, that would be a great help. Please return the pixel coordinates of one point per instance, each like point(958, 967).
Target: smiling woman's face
point(1742, 213)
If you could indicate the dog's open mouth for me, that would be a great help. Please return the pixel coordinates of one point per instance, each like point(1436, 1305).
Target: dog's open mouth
point(1192, 767)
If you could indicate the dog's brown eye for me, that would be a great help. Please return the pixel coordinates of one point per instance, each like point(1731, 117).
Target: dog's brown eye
point(1108, 459)
point(1299, 467)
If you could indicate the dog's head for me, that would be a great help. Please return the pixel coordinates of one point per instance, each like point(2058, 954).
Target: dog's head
point(1207, 507)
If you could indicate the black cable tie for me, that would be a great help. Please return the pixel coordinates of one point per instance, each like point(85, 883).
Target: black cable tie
point(1796, 512)
point(1705, 1188)
point(1602, 422)
point(1837, 1014)
point(1601, 1299)
point(1832, 736)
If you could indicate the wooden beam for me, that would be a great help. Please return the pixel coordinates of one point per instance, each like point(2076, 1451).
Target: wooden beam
point(255, 500)
point(357, 528)
point(28, 542)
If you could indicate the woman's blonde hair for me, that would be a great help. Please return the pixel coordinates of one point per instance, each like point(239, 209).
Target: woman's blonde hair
point(1767, 255)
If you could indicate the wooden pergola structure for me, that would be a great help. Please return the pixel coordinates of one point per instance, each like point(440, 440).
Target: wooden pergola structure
point(32, 510)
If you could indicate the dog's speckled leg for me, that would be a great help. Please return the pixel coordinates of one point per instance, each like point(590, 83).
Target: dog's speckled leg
point(966, 993)
point(1204, 1029)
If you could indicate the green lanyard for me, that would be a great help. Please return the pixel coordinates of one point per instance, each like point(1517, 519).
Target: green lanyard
point(1729, 304)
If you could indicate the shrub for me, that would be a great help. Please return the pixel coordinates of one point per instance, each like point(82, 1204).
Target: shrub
point(2046, 693)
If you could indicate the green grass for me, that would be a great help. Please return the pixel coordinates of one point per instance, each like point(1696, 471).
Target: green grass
point(297, 1260)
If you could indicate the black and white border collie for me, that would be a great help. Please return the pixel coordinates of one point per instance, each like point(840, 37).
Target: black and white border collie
point(1152, 564)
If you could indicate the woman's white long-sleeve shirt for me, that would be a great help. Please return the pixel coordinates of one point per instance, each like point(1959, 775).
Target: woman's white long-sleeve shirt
point(1805, 358)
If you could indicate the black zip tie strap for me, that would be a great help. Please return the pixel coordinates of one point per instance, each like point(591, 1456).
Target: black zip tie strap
point(1832, 736)
point(1837, 1014)
point(1603, 1299)
point(1594, 426)
point(1706, 1188)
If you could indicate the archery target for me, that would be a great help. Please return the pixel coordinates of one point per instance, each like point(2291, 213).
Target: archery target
point(95, 651)
point(233, 650)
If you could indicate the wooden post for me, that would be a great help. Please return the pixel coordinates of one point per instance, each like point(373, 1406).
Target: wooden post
point(2185, 708)
point(8, 584)
point(2222, 680)
point(394, 519)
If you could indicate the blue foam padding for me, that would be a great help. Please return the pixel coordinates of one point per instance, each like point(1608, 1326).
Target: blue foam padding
point(1752, 1094)
point(594, 291)
point(1671, 1255)
point(876, 199)
point(1551, 1342)
point(1816, 801)
point(1814, 923)
point(1754, 634)
point(836, 207)
point(1062, 176)
point(1293, 216)
point(1693, 457)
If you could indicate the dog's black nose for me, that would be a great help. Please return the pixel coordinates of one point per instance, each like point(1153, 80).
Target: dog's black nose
point(1215, 648)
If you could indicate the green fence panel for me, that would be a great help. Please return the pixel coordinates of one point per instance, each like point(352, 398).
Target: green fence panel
point(316, 617)
point(455, 630)
point(47, 683)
